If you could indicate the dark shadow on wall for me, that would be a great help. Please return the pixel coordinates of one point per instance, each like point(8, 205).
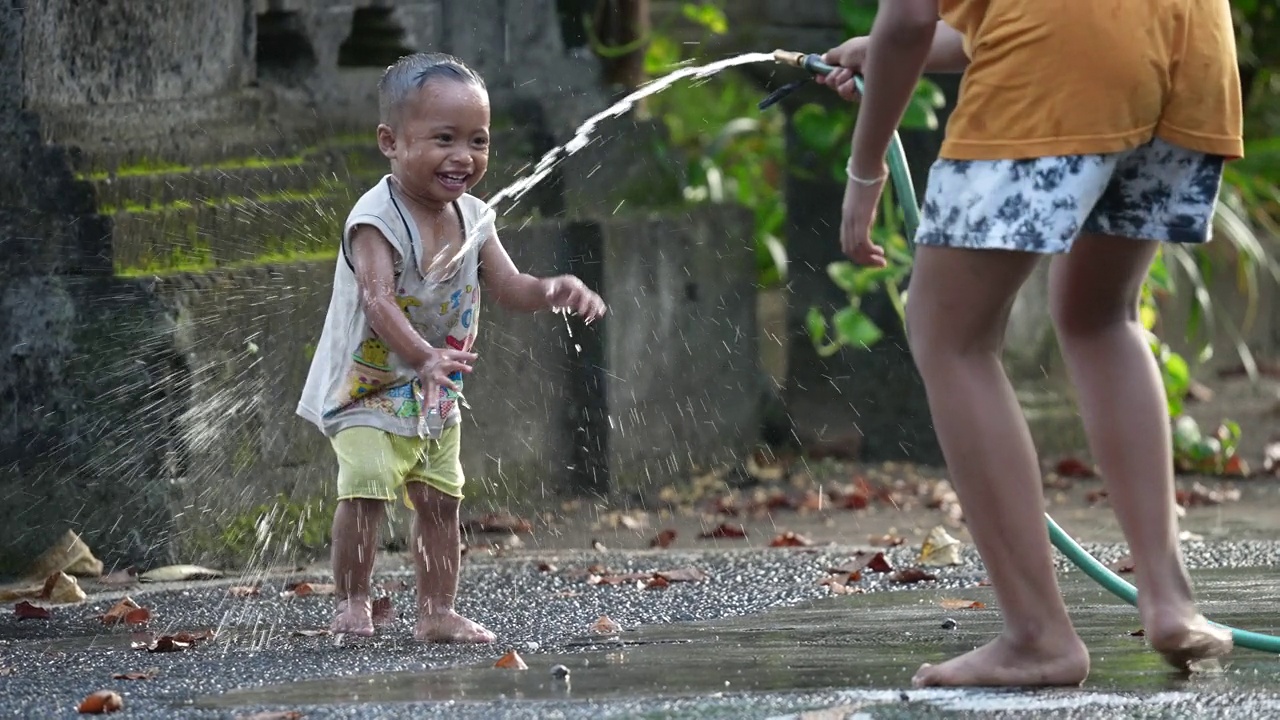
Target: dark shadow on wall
point(283, 53)
point(376, 40)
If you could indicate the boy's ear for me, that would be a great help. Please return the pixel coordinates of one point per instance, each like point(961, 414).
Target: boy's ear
point(386, 140)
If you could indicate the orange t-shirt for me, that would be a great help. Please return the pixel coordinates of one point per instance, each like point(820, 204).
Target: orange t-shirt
point(1077, 77)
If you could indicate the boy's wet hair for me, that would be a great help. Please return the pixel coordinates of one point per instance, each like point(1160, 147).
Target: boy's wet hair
point(411, 72)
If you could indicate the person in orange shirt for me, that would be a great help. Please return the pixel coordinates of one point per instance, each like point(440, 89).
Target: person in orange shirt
point(1091, 131)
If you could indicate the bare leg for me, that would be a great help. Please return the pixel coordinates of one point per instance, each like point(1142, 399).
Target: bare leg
point(355, 538)
point(1094, 300)
point(958, 307)
point(437, 558)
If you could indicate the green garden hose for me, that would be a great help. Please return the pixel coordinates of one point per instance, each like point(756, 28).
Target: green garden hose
point(905, 194)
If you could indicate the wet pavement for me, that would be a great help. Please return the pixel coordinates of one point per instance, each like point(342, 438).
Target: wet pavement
point(758, 638)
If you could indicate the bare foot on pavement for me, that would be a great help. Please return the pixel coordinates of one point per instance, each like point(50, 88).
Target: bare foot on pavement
point(354, 617)
point(1003, 663)
point(1183, 643)
point(449, 626)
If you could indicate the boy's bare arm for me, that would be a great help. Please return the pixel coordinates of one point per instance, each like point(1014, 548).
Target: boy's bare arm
point(374, 261)
point(522, 292)
point(946, 55)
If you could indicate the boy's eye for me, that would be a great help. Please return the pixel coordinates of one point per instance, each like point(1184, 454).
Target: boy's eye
point(481, 142)
point(445, 138)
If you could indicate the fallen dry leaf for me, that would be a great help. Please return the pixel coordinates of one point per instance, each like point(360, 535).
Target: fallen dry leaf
point(657, 582)
point(1140, 632)
point(26, 611)
point(1200, 495)
point(103, 701)
point(312, 633)
point(790, 539)
point(957, 604)
point(303, 589)
point(180, 573)
point(62, 589)
point(907, 576)
point(176, 642)
point(605, 626)
point(1074, 468)
point(126, 611)
point(498, 522)
point(685, 574)
point(724, 531)
point(886, 540)
point(940, 549)
point(621, 520)
point(383, 612)
point(68, 554)
point(126, 576)
point(875, 562)
point(244, 591)
point(546, 567)
point(147, 675)
point(1093, 497)
point(838, 588)
point(1123, 565)
point(511, 661)
point(597, 546)
point(663, 539)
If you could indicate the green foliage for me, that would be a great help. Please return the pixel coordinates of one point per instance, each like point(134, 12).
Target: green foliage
point(282, 523)
point(733, 152)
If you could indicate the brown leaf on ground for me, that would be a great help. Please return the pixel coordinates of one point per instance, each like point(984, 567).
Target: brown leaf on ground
point(907, 576)
point(617, 579)
point(958, 604)
point(684, 574)
point(313, 633)
point(790, 539)
point(546, 567)
point(724, 531)
point(984, 582)
point(1123, 565)
point(139, 616)
point(26, 611)
point(838, 588)
point(121, 612)
point(1140, 632)
point(383, 612)
point(273, 715)
point(244, 591)
point(62, 589)
point(663, 539)
point(1201, 495)
point(875, 562)
point(498, 522)
point(511, 661)
point(1236, 467)
point(147, 675)
point(887, 541)
point(103, 701)
point(605, 626)
point(1093, 497)
point(120, 578)
point(303, 589)
point(657, 582)
point(597, 545)
point(1074, 468)
point(176, 642)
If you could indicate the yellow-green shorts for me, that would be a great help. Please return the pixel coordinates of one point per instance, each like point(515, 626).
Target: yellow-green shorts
point(376, 464)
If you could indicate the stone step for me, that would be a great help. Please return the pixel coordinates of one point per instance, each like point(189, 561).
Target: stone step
point(197, 238)
point(154, 191)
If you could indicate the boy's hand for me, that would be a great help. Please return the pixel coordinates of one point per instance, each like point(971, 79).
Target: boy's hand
point(435, 369)
point(569, 292)
point(848, 58)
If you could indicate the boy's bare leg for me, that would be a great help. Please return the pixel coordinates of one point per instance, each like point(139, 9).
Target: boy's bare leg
point(1094, 294)
point(355, 539)
point(434, 539)
point(958, 307)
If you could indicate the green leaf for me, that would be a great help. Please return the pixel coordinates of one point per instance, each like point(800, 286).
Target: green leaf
point(857, 16)
point(844, 275)
point(820, 129)
point(816, 324)
point(707, 15)
point(853, 327)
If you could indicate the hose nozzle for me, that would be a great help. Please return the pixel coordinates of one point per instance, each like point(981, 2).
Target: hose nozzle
point(788, 57)
point(806, 61)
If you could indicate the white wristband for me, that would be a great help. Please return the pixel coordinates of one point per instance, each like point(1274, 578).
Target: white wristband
point(865, 182)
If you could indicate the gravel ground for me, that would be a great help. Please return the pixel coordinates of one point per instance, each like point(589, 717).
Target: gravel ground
point(48, 666)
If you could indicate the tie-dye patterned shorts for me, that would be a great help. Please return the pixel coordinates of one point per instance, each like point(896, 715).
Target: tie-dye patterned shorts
point(1158, 191)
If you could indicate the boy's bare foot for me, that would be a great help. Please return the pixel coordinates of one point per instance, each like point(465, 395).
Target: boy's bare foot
point(1003, 663)
point(354, 617)
point(449, 626)
point(1184, 643)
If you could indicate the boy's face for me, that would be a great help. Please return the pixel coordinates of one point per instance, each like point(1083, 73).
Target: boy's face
point(440, 146)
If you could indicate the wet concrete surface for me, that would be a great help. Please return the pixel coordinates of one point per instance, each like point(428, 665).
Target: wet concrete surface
point(759, 638)
point(861, 650)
